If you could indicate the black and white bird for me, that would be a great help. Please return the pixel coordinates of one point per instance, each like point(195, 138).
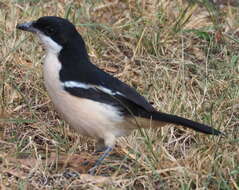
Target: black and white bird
point(92, 101)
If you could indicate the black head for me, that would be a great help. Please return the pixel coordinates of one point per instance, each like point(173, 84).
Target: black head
point(57, 29)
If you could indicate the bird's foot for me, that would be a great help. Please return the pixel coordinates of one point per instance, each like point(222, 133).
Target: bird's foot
point(99, 161)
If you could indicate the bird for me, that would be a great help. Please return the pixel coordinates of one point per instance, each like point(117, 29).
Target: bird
point(93, 102)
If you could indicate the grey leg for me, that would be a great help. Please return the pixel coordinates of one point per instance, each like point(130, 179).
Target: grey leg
point(99, 161)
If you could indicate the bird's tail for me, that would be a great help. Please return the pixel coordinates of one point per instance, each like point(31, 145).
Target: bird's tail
point(164, 117)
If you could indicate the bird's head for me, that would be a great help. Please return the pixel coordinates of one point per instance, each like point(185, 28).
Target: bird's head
point(54, 32)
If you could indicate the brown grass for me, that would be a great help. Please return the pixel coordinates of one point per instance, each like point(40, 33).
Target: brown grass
point(183, 57)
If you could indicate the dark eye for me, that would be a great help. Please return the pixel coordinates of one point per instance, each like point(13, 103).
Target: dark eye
point(49, 31)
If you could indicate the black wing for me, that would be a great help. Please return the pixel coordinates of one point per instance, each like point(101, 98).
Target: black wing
point(89, 74)
point(128, 93)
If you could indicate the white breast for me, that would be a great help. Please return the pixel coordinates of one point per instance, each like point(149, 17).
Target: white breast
point(88, 117)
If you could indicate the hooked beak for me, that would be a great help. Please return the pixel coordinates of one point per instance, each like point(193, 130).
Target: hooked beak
point(27, 26)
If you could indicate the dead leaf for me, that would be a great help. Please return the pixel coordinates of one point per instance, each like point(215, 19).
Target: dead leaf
point(79, 162)
point(3, 114)
point(16, 172)
point(219, 37)
point(86, 178)
point(25, 163)
point(198, 53)
point(111, 69)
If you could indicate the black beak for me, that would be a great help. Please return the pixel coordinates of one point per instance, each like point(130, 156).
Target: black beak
point(27, 26)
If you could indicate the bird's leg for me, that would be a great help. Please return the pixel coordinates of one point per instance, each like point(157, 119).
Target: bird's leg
point(101, 158)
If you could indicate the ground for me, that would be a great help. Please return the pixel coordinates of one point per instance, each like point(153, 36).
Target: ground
point(181, 55)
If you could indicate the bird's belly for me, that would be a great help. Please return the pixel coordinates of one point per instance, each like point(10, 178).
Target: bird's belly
point(88, 117)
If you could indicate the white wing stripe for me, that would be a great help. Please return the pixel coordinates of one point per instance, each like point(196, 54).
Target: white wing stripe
point(73, 84)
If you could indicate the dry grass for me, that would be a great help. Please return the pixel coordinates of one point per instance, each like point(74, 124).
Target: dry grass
point(183, 57)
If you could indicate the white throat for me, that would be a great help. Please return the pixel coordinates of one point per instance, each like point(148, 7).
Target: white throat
point(50, 45)
point(51, 66)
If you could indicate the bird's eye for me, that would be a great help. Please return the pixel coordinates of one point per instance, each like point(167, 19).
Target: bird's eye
point(49, 31)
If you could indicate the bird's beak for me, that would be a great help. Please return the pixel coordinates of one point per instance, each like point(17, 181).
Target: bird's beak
point(27, 26)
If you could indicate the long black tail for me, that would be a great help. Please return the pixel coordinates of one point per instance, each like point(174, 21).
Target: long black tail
point(185, 122)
